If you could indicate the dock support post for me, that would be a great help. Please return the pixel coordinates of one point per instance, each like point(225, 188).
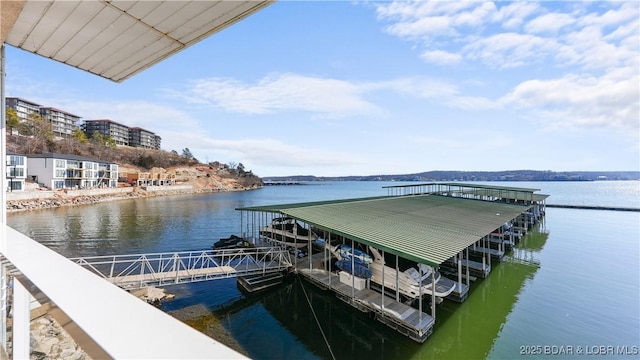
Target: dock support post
point(397, 280)
point(353, 270)
point(488, 249)
point(468, 281)
point(484, 261)
point(382, 292)
point(327, 258)
point(459, 257)
point(419, 295)
point(433, 294)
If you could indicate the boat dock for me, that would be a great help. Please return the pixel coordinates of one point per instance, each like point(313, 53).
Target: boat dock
point(407, 320)
point(501, 242)
point(496, 255)
point(476, 269)
point(409, 245)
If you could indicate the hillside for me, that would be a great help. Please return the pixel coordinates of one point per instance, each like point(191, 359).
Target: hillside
point(191, 176)
point(510, 175)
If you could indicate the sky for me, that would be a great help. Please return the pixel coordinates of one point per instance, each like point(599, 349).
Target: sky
point(337, 88)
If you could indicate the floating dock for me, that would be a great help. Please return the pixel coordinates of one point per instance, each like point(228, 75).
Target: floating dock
point(496, 255)
point(257, 282)
point(476, 269)
point(460, 293)
point(403, 318)
point(423, 224)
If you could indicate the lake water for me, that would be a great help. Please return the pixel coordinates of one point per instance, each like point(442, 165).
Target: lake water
point(570, 290)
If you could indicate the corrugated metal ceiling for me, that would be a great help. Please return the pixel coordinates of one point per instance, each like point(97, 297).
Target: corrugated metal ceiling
point(117, 39)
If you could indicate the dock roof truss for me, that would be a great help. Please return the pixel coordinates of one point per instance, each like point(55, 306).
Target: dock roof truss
point(424, 228)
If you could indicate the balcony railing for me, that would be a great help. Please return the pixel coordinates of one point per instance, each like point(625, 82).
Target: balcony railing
point(113, 322)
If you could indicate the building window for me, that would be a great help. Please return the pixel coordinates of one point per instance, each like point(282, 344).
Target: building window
point(16, 160)
point(58, 184)
point(16, 172)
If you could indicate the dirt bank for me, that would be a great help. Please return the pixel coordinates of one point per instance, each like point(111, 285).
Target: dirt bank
point(188, 180)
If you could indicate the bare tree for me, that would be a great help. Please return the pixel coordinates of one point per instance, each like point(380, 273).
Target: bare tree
point(40, 138)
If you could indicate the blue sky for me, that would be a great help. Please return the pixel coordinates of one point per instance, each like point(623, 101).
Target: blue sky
point(332, 88)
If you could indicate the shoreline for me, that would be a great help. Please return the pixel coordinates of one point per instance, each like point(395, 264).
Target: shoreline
point(31, 200)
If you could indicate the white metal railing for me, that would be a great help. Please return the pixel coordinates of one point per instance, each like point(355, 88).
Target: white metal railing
point(117, 322)
point(161, 269)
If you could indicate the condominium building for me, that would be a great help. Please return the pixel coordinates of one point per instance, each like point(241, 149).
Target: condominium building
point(58, 171)
point(62, 122)
point(143, 138)
point(16, 171)
point(23, 108)
point(108, 128)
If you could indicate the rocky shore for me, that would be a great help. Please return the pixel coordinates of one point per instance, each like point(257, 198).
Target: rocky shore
point(49, 340)
point(199, 179)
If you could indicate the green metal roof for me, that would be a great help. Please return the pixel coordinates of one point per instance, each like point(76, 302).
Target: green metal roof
point(425, 228)
point(466, 189)
point(467, 185)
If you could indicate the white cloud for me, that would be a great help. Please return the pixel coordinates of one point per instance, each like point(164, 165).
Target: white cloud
point(582, 101)
point(507, 50)
point(441, 57)
point(513, 15)
point(259, 153)
point(152, 116)
point(549, 23)
point(590, 35)
point(285, 92)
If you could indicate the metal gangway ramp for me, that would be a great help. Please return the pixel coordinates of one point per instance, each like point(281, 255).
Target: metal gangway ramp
point(160, 269)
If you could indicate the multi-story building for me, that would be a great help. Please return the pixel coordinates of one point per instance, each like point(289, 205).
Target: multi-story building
point(16, 172)
point(62, 122)
point(57, 171)
point(23, 108)
point(157, 142)
point(143, 138)
point(108, 128)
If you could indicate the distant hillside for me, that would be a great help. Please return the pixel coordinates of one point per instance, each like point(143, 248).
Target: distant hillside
point(509, 175)
point(214, 175)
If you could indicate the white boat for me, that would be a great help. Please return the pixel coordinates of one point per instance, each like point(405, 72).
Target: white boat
point(411, 282)
point(289, 232)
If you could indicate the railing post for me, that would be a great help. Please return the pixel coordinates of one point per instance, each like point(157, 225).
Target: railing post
point(21, 321)
point(3, 307)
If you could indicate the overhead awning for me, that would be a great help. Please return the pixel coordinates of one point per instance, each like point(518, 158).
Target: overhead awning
point(425, 228)
point(116, 39)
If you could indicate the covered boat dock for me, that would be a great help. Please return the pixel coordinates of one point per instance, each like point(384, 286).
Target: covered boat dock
point(430, 226)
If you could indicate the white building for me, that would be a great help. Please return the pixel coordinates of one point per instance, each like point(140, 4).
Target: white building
point(57, 171)
point(16, 172)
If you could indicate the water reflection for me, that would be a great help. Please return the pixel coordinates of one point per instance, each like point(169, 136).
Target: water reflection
point(464, 330)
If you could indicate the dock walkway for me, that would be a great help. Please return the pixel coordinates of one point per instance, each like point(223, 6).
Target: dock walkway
point(476, 268)
point(403, 318)
point(161, 269)
point(495, 254)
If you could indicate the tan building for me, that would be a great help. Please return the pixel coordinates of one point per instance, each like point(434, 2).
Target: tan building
point(62, 122)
